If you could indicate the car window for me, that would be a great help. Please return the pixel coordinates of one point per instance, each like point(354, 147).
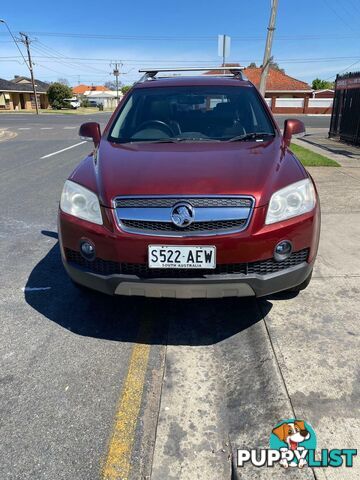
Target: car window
point(197, 113)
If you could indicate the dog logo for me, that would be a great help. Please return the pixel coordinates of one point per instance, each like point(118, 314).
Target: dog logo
point(293, 438)
point(293, 444)
point(182, 214)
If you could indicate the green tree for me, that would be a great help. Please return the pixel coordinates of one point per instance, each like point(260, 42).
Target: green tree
point(319, 84)
point(57, 93)
point(64, 81)
point(275, 66)
point(125, 89)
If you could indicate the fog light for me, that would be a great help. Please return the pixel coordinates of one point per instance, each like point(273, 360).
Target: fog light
point(87, 250)
point(282, 250)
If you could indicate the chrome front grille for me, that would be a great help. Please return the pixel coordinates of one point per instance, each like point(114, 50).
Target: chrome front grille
point(210, 215)
point(202, 202)
point(194, 227)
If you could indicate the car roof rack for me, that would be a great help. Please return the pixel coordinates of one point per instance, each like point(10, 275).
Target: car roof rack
point(237, 72)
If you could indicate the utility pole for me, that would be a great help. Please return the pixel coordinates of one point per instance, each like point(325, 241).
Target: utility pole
point(224, 48)
point(26, 41)
point(116, 73)
point(268, 45)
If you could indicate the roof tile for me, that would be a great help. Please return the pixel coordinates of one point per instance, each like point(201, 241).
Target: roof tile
point(276, 80)
point(81, 89)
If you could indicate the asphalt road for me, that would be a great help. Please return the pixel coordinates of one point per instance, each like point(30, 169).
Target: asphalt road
point(196, 379)
point(310, 121)
point(19, 120)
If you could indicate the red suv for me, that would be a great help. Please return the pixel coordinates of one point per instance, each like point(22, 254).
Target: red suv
point(191, 192)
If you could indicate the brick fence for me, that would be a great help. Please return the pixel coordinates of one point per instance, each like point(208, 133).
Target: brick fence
point(300, 105)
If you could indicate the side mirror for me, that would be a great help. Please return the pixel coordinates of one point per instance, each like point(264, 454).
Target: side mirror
point(292, 128)
point(90, 132)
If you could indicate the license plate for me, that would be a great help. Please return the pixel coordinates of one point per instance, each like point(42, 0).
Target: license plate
point(173, 256)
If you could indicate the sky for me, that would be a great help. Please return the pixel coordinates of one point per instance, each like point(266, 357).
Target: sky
point(78, 40)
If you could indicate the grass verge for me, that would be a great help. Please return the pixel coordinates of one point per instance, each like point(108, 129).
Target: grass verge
point(64, 111)
point(312, 159)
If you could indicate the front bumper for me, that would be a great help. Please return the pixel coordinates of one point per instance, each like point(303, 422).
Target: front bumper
point(214, 286)
point(255, 244)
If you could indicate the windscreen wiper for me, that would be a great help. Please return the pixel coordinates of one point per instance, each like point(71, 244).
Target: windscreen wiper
point(250, 136)
point(176, 140)
point(160, 140)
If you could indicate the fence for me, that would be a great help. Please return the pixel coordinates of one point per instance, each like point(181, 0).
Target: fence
point(345, 119)
point(320, 102)
point(289, 103)
point(300, 105)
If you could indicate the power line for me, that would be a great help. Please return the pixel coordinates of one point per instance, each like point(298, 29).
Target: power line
point(15, 40)
point(328, 4)
point(60, 58)
point(355, 6)
point(342, 71)
point(47, 58)
point(55, 52)
point(211, 38)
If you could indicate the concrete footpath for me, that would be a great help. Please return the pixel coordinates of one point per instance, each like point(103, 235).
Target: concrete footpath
point(317, 140)
point(279, 357)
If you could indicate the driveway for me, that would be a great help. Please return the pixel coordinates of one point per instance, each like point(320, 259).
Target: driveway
point(95, 387)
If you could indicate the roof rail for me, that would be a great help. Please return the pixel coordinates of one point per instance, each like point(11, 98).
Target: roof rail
point(150, 73)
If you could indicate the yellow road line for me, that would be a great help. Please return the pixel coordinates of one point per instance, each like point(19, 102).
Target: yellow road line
point(118, 461)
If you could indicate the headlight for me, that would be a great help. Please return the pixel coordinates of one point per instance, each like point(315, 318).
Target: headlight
point(296, 199)
point(80, 202)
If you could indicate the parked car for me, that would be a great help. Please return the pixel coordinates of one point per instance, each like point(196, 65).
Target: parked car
point(73, 102)
point(191, 191)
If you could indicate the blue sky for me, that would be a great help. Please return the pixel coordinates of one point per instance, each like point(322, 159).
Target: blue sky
point(312, 39)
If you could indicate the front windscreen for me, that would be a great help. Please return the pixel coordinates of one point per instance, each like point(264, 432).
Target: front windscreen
point(195, 113)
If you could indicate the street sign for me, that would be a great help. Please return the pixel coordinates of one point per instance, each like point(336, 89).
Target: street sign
point(224, 42)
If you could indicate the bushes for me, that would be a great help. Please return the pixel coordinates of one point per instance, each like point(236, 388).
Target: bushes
point(85, 103)
point(57, 93)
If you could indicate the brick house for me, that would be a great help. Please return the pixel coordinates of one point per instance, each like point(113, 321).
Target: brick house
point(285, 94)
point(325, 93)
point(17, 94)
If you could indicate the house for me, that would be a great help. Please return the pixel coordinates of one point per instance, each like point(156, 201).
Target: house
point(325, 93)
point(285, 94)
point(97, 95)
point(17, 94)
point(106, 98)
point(82, 89)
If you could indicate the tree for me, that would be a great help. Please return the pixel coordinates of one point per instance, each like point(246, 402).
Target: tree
point(64, 81)
point(275, 66)
point(125, 89)
point(57, 93)
point(319, 84)
point(110, 85)
point(252, 65)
